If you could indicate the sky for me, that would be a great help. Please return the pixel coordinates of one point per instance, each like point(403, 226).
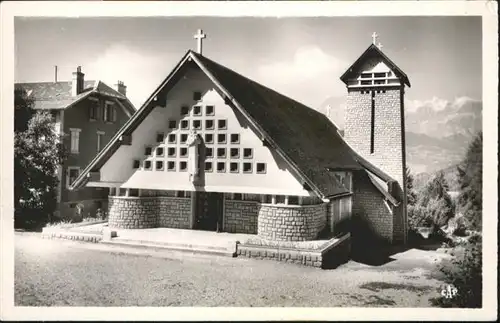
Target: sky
point(299, 57)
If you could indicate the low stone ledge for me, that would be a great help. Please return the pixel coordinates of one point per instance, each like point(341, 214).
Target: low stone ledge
point(331, 254)
point(108, 234)
point(51, 233)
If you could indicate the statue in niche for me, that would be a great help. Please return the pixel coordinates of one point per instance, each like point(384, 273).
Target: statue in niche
point(193, 142)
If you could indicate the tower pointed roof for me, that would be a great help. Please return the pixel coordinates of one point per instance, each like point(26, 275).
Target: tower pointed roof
point(370, 52)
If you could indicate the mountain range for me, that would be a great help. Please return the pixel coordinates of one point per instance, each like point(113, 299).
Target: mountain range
point(437, 131)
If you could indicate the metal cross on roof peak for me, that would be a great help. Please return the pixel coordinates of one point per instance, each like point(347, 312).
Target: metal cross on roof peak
point(199, 37)
point(374, 38)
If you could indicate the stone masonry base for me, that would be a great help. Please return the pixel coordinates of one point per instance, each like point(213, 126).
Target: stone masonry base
point(149, 212)
point(334, 254)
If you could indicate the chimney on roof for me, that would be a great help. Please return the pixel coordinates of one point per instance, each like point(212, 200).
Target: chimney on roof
point(121, 87)
point(55, 74)
point(77, 82)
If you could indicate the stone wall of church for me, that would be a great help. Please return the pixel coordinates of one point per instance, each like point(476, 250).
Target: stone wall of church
point(174, 212)
point(148, 212)
point(372, 219)
point(389, 139)
point(241, 216)
point(389, 143)
point(291, 223)
point(132, 212)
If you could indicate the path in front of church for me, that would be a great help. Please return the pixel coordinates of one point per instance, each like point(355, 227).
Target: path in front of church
point(67, 273)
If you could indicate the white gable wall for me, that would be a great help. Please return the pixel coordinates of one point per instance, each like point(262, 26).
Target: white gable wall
point(276, 180)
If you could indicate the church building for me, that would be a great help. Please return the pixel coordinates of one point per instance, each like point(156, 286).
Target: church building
point(213, 150)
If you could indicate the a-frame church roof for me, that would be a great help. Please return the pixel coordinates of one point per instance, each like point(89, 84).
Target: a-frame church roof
point(371, 51)
point(304, 137)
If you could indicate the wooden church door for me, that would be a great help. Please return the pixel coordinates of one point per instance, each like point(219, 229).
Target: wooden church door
point(208, 211)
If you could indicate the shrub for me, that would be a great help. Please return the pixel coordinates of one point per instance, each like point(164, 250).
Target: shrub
point(470, 178)
point(464, 272)
point(433, 207)
point(411, 195)
point(435, 213)
point(38, 152)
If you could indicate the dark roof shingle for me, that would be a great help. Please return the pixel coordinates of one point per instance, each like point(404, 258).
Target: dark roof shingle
point(372, 51)
point(305, 135)
point(57, 95)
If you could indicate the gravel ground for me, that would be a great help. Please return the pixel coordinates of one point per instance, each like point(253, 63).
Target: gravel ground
point(67, 273)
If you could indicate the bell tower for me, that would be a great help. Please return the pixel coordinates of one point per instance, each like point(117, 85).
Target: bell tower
point(374, 118)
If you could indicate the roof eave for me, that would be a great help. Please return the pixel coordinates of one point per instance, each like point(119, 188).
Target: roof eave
point(384, 192)
point(261, 131)
point(398, 70)
point(107, 151)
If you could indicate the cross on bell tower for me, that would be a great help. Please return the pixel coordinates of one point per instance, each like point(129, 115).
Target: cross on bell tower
point(199, 38)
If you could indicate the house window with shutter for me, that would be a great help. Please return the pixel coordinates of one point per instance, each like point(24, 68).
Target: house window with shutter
point(93, 108)
point(75, 140)
point(93, 112)
point(72, 175)
point(109, 112)
point(100, 135)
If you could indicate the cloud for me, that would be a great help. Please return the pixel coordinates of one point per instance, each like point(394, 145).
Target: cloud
point(440, 117)
point(141, 72)
point(436, 104)
point(310, 75)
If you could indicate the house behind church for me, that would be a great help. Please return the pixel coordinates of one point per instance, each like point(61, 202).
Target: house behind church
point(213, 150)
point(87, 114)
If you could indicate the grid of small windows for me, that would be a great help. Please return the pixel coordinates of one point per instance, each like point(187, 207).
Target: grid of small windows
point(208, 166)
point(184, 110)
point(234, 167)
point(197, 110)
point(222, 124)
point(247, 152)
point(184, 124)
point(221, 138)
point(182, 166)
point(235, 138)
point(171, 151)
point(197, 124)
point(235, 153)
point(247, 167)
point(209, 124)
point(221, 167)
point(209, 138)
point(160, 152)
point(197, 96)
point(209, 110)
point(222, 152)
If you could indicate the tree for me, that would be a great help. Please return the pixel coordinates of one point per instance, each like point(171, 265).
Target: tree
point(38, 151)
point(470, 178)
point(411, 195)
point(434, 206)
point(464, 272)
point(23, 110)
